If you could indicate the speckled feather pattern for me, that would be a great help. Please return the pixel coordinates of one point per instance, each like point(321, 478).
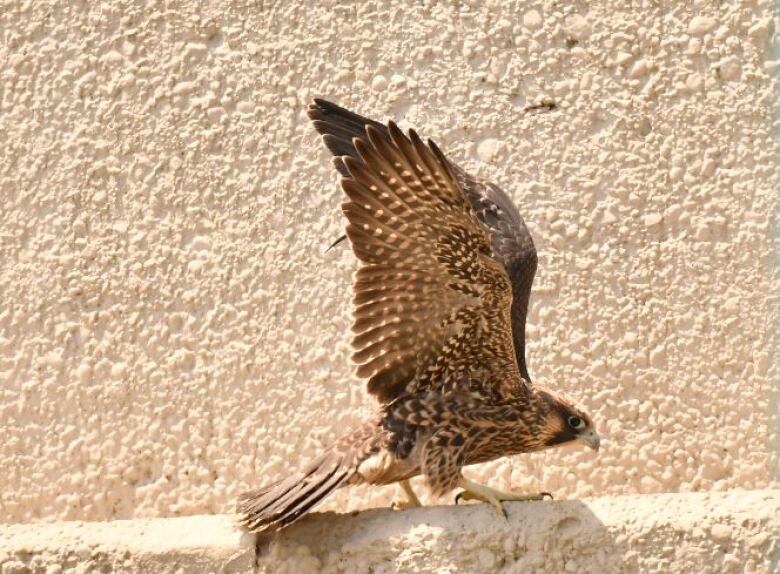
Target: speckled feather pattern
point(433, 328)
point(431, 304)
point(437, 434)
point(173, 330)
point(431, 433)
point(512, 244)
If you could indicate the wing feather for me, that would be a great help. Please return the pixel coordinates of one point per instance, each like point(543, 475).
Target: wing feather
point(512, 244)
point(432, 307)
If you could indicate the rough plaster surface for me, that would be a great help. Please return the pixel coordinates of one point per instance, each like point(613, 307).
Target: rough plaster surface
point(158, 546)
point(717, 533)
point(173, 332)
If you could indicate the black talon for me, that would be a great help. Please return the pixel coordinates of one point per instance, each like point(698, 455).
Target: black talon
point(546, 494)
point(457, 497)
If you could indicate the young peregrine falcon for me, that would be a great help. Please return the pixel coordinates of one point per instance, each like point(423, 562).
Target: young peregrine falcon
point(440, 301)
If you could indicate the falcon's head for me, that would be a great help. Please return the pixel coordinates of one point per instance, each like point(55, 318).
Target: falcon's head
point(567, 422)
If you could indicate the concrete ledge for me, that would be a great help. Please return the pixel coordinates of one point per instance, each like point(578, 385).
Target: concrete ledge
point(175, 545)
point(736, 531)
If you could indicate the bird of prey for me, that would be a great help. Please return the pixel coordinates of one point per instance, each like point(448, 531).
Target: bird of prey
point(440, 304)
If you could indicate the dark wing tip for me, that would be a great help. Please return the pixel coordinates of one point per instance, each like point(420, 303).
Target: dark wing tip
point(375, 138)
point(442, 159)
point(324, 108)
point(371, 131)
point(395, 131)
point(435, 149)
point(352, 164)
point(397, 136)
point(319, 109)
point(322, 128)
point(316, 109)
point(330, 140)
point(338, 163)
point(322, 104)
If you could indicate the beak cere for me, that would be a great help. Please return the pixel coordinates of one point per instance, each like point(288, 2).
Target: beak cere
point(591, 439)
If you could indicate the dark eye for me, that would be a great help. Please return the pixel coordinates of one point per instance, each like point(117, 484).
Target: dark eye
point(576, 422)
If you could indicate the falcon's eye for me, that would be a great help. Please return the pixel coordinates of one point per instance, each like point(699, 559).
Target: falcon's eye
point(576, 423)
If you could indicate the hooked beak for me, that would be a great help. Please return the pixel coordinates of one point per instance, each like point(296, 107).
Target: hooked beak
point(591, 439)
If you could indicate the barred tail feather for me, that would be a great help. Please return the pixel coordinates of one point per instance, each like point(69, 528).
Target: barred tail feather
point(279, 504)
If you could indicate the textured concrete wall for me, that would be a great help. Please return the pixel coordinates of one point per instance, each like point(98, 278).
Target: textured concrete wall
point(172, 330)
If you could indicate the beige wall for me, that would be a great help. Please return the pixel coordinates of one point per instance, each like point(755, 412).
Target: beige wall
point(173, 332)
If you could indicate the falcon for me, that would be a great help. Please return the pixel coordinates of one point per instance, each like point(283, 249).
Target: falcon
point(440, 304)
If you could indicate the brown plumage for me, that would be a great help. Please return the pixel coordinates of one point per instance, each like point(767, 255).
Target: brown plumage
point(440, 304)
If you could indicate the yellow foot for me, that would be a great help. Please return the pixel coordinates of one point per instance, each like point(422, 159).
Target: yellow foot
point(408, 499)
point(474, 491)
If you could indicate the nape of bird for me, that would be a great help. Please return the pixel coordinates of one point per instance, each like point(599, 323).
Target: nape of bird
point(440, 304)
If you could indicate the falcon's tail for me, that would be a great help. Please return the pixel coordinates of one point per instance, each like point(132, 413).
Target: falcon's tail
point(279, 504)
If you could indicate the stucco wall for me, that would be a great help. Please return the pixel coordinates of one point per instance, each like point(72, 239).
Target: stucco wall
point(173, 332)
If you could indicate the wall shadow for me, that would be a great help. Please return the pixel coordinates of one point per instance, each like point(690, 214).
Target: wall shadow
point(548, 536)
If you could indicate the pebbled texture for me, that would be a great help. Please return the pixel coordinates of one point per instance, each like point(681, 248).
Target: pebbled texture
point(712, 533)
point(172, 331)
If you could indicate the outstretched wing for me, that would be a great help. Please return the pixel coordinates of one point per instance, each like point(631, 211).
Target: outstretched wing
point(512, 244)
point(513, 247)
point(432, 307)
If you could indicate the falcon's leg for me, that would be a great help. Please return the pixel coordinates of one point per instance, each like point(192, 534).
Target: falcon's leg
point(475, 491)
point(409, 498)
